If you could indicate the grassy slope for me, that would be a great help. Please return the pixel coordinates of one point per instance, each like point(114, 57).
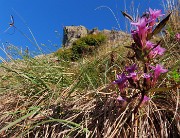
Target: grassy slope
point(45, 83)
point(45, 98)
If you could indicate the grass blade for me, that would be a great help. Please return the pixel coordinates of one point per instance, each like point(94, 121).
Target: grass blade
point(19, 120)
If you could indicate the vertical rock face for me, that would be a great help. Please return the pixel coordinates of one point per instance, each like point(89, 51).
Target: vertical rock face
point(72, 33)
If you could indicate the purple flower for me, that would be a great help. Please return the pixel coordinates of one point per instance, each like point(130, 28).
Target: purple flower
point(154, 14)
point(142, 28)
point(146, 99)
point(131, 69)
point(121, 81)
point(120, 99)
point(147, 78)
point(149, 45)
point(157, 51)
point(146, 75)
point(141, 24)
point(178, 36)
point(157, 71)
point(133, 75)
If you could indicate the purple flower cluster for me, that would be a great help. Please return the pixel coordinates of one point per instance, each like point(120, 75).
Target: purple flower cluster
point(134, 76)
point(143, 27)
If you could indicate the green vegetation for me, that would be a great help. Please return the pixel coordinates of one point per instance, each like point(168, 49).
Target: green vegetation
point(65, 54)
point(81, 47)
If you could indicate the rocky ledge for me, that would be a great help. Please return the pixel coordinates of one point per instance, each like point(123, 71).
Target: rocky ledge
point(72, 33)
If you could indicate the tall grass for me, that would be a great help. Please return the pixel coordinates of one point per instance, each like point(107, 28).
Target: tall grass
point(44, 97)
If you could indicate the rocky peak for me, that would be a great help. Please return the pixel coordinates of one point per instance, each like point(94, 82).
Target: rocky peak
point(72, 33)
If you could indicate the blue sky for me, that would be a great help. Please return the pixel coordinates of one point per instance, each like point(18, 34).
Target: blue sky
point(44, 17)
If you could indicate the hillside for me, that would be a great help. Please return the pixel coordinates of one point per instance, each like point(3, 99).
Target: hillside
point(83, 96)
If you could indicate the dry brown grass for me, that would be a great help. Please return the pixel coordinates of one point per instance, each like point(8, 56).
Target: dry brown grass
point(43, 98)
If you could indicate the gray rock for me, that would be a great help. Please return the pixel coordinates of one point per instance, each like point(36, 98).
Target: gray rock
point(106, 32)
point(94, 31)
point(72, 33)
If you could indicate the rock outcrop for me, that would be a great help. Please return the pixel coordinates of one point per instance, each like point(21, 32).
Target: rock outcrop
point(72, 33)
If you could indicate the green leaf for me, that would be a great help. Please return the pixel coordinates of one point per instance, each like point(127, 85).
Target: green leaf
point(30, 77)
point(128, 47)
point(159, 27)
point(65, 122)
point(19, 120)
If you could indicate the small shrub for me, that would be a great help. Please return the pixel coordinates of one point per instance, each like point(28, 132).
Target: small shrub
point(65, 54)
point(86, 45)
point(94, 40)
point(79, 48)
point(83, 46)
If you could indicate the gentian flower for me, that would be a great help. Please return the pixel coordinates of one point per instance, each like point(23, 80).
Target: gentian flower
point(120, 99)
point(178, 36)
point(146, 75)
point(133, 75)
point(142, 79)
point(142, 28)
point(121, 81)
point(131, 69)
point(157, 71)
point(149, 45)
point(146, 99)
point(154, 14)
point(157, 51)
point(141, 24)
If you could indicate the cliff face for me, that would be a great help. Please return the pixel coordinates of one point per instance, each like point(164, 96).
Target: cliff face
point(72, 33)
